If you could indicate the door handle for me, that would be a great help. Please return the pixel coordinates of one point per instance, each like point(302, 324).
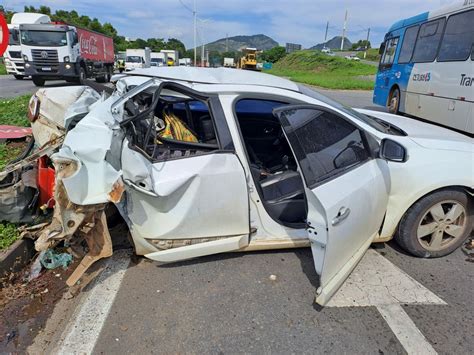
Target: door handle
point(139, 188)
point(342, 215)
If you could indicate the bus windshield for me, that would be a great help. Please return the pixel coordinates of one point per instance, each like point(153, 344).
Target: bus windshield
point(44, 38)
point(13, 39)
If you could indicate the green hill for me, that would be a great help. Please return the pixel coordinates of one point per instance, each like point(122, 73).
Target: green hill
point(316, 68)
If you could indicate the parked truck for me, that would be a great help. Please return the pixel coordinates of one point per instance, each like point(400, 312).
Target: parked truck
point(184, 62)
point(60, 51)
point(173, 56)
point(158, 59)
point(137, 59)
point(14, 62)
point(229, 62)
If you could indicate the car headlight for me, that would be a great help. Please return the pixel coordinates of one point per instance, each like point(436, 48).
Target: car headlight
point(27, 65)
point(66, 59)
point(25, 57)
point(68, 66)
point(33, 108)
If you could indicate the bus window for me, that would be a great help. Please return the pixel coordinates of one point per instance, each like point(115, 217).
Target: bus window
point(408, 44)
point(390, 50)
point(428, 40)
point(458, 38)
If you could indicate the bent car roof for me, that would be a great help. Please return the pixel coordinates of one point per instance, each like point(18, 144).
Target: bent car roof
point(225, 76)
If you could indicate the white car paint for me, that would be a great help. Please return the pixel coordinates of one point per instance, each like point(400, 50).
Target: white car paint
point(172, 201)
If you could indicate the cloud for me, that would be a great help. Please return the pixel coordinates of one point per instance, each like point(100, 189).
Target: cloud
point(298, 21)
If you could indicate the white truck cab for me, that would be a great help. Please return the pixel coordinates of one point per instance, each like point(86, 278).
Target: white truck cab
point(14, 62)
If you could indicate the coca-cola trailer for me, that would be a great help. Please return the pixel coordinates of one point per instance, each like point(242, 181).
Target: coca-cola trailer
point(59, 51)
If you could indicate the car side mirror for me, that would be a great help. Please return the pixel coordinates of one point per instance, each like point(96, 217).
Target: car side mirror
point(393, 151)
point(382, 48)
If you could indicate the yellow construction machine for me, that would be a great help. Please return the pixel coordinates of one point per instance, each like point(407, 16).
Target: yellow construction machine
point(249, 60)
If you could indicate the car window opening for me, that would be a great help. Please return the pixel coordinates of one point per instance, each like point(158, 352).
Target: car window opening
point(272, 163)
point(177, 126)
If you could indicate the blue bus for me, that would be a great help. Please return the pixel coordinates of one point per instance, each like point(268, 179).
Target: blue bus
point(426, 68)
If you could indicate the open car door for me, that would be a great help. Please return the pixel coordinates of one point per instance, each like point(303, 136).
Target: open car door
point(346, 189)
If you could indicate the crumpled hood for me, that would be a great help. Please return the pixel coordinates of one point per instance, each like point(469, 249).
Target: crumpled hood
point(426, 134)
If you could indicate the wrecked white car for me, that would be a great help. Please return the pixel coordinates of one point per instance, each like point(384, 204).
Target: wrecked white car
point(204, 161)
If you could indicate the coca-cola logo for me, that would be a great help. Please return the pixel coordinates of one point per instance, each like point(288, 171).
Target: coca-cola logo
point(88, 45)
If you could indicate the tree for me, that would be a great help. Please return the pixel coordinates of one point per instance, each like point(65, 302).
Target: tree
point(176, 45)
point(273, 55)
point(362, 43)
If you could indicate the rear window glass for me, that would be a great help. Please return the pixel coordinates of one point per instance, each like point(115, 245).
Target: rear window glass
point(427, 44)
point(458, 38)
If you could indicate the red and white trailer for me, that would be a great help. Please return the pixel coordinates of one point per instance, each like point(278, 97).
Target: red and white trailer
point(59, 51)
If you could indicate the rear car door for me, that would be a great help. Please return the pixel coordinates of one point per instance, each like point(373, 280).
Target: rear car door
point(185, 198)
point(346, 188)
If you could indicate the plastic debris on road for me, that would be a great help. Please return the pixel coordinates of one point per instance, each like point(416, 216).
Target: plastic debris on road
point(51, 259)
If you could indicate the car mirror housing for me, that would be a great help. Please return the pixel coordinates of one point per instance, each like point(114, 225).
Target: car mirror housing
point(393, 151)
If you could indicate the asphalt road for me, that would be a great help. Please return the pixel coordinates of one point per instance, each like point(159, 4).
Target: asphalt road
point(229, 303)
point(10, 87)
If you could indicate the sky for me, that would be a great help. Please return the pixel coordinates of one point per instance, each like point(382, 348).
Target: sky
point(295, 21)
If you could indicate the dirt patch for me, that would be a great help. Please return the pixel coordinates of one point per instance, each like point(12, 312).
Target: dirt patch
point(25, 306)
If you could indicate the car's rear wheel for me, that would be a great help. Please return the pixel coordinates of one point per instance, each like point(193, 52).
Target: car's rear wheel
point(437, 224)
point(394, 101)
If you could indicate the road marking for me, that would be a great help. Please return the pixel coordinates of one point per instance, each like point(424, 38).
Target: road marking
point(81, 335)
point(377, 282)
point(405, 330)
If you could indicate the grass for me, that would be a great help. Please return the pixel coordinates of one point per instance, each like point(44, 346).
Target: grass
point(13, 111)
point(8, 235)
point(3, 70)
point(372, 55)
point(316, 68)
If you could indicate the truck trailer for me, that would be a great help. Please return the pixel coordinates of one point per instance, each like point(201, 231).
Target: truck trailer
point(14, 63)
point(59, 51)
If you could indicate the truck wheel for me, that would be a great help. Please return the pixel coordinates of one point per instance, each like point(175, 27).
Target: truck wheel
point(38, 81)
point(19, 77)
point(394, 101)
point(82, 76)
point(437, 224)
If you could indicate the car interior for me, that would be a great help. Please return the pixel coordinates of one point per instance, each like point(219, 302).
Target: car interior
point(177, 126)
point(272, 163)
point(174, 126)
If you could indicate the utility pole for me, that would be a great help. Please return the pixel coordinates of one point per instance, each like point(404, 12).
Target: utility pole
point(326, 35)
point(202, 53)
point(344, 32)
point(367, 43)
point(195, 44)
point(226, 42)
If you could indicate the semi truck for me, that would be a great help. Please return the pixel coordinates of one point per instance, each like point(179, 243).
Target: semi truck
point(14, 62)
point(58, 51)
point(137, 59)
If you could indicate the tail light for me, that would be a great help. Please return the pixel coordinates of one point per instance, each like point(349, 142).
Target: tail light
point(33, 108)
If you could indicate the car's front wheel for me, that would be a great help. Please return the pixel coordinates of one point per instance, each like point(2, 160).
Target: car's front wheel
point(437, 224)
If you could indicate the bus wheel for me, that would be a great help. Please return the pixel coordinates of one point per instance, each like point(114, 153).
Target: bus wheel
point(394, 101)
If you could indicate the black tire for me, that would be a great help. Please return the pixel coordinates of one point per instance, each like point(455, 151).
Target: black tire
point(82, 76)
point(19, 77)
point(419, 215)
point(393, 104)
point(38, 81)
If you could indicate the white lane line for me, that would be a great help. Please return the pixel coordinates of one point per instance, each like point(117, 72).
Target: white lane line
point(81, 334)
point(411, 338)
point(377, 282)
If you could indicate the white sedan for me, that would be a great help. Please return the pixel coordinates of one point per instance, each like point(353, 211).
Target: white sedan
point(204, 161)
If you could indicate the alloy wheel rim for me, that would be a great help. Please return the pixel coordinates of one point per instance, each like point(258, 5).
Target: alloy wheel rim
point(442, 225)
